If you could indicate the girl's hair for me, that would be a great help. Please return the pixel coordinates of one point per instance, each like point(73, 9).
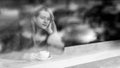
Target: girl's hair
point(52, 23)
point(47, 10)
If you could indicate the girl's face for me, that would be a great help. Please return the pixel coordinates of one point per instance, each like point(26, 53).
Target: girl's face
point(43, 19)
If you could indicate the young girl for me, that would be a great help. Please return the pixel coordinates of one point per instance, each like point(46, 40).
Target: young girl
point(39, 27)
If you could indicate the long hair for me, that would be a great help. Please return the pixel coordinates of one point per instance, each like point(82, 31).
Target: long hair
point(51, 26)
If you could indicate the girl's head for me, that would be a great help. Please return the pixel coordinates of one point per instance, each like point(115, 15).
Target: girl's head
point(43, 17)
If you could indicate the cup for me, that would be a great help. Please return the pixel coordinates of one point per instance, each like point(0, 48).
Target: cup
point(44, 55)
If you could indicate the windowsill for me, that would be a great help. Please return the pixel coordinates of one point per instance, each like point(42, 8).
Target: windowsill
point(76, 55)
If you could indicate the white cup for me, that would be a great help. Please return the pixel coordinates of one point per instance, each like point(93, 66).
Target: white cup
point(44, 55)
